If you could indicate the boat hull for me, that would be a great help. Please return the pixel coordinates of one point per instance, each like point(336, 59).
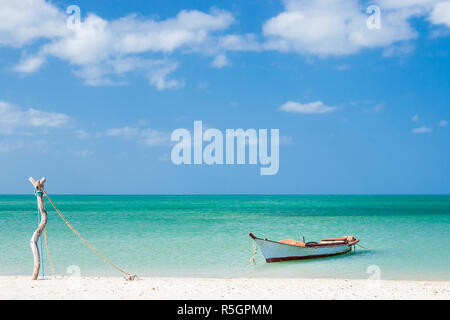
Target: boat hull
point(274, 251)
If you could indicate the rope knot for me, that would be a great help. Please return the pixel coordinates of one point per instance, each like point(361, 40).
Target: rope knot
point(132, 277)
point(38, 193)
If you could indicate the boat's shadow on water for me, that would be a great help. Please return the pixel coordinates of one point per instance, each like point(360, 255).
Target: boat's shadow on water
point(347, 258)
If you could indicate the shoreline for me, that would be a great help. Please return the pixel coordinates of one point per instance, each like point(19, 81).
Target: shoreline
point(88, 288)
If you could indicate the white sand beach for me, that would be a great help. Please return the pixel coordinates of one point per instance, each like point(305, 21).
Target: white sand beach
point(21, 287)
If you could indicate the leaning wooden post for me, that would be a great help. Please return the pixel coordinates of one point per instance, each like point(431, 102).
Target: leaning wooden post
point(39, 186)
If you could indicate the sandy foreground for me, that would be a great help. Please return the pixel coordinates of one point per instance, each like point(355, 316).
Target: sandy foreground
point(22, 287)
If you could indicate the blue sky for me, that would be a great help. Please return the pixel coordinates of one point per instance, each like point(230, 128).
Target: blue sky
point(92, 108)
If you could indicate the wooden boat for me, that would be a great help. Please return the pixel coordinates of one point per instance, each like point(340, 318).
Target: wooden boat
point(288, 249)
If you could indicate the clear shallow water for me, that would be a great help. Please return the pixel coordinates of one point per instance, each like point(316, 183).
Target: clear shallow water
point(207, 236)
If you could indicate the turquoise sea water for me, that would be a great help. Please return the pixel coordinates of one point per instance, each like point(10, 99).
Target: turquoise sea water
point(207, 236)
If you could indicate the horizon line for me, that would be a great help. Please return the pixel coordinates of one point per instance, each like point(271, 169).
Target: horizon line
point(234, 194)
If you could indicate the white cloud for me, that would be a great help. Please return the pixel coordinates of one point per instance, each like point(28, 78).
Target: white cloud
point(220, 61)
point(284, 140)
point(422, 130)
point(7, 147)
point(150, 137)
point(188, 28)
point(158, 77)
point(333, 27)
point(343, 67)
point(83, 153)
point(415, 118)
point(98, 39)
point(101, 50)
point(398, 50)
point(22, 22)
point(338, 27)
point(12, 118)
point(306, 108)
point(143, 136)
point(435, 11)
point(30, 64)
point(402, 4)
point(235, 42)
point(441, 13)
point(122, 132)
point(81, 134)
point(90, 43)
point(443, 123)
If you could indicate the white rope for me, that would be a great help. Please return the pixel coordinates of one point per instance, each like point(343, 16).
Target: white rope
point(128, 276)
point(255, 250)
